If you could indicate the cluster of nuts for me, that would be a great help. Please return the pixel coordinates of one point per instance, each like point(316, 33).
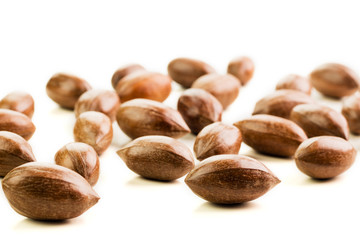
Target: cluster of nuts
point(286, 123)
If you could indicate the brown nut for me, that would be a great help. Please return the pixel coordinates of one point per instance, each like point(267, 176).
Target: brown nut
point(271, 135)
point(143, 84)
point(295, 82)
point(95, 129)
point(199, 109)
point(123, 71)
point(217, 138)
point(351, 111)
point(141, 117)
point(44, 191)
point(66, 89)
point(242, 68)
point(16, 122)
point(224, 87)
point(14, 151)
point(185, 70)
point(319, 120)
point(334, 80)
point(81, 158)
point(230, 179)
point(98, 100)
point(20, 102)
point(157, 157)
point(281, 102)
point(325, 157)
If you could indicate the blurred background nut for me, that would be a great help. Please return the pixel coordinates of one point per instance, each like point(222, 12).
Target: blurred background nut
point(351, 111)
point(242, 68)
point(16, 122)
point(295, 82)
point(20, 102)
point(123, 71)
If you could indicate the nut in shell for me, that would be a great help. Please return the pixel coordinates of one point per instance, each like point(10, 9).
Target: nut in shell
point(21, 102)
point(123, 71)
point(242, 68)
point(16, 122)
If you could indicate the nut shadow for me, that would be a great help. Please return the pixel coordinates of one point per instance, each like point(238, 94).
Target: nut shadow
point(31, 224)
point(313, 181)
point(140, 181)
point(209, 207)
point(266, 158)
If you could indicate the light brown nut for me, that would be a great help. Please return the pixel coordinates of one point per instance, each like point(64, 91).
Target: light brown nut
point(295, 82)
point(199, 109)
point(95, 129)
point(66, 89)
point(185, 70)
point(351, 111)
point(81, 158)
point(142, 117)
point(14, 151)
point(157, 157)
point(143, 84)
point(325, 157)
point(123, 71)
point(271, 135)
point(16, 122)
point(335, 80)
point(20, 102)
point(230, 179)
point(242, 68)
point(319, 120)
point(224, 87)
point(281, 102)
point(44, 191)
point(217, 138)
point(98, 100)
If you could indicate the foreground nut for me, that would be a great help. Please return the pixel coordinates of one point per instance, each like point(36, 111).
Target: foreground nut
point(319, 120)
point(295, 82)
point(141, 117)
point(143, 84)
point(95, 129)
point(66, 89)
point(45, 191)
point(325, 157)
point(230, 179)
point(14, 151)
point(335, 80)
point(271, 135)
point(351, 111)
point(242, 68)
point(224, 87)
point(185, 70)
point(217, 138)
point(98, 100)
point(199, 109)
point(20, 102)
point(123, 71)
point(81, 158)
point(281, 102)
point(16, 122)
point(157, 157)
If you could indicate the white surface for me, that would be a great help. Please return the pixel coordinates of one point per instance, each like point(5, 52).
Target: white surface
point(92, 39)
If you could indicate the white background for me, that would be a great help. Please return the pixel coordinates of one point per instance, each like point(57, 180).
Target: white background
point(92, 39)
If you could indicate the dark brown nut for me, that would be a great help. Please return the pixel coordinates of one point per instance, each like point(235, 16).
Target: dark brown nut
point(230, 179)
point(334, 80)
point(123, 71)
point(142, 117)
point(351, 111)
point(319, 120)
point(271, 135)
point(185, 70)
point(16, 122)
point(14, 151)
point(242, 68)
point(199, 109)
point(224, 87)
point(45, 191)
point(217, 138)
point(143, 84)
point(20, 102)
point(157, 157)
point(325, 157)
point(95, 129)
point(81, 158)
point(281, 102)
point(66, 89)
point(295, 82)
point(98, 100)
